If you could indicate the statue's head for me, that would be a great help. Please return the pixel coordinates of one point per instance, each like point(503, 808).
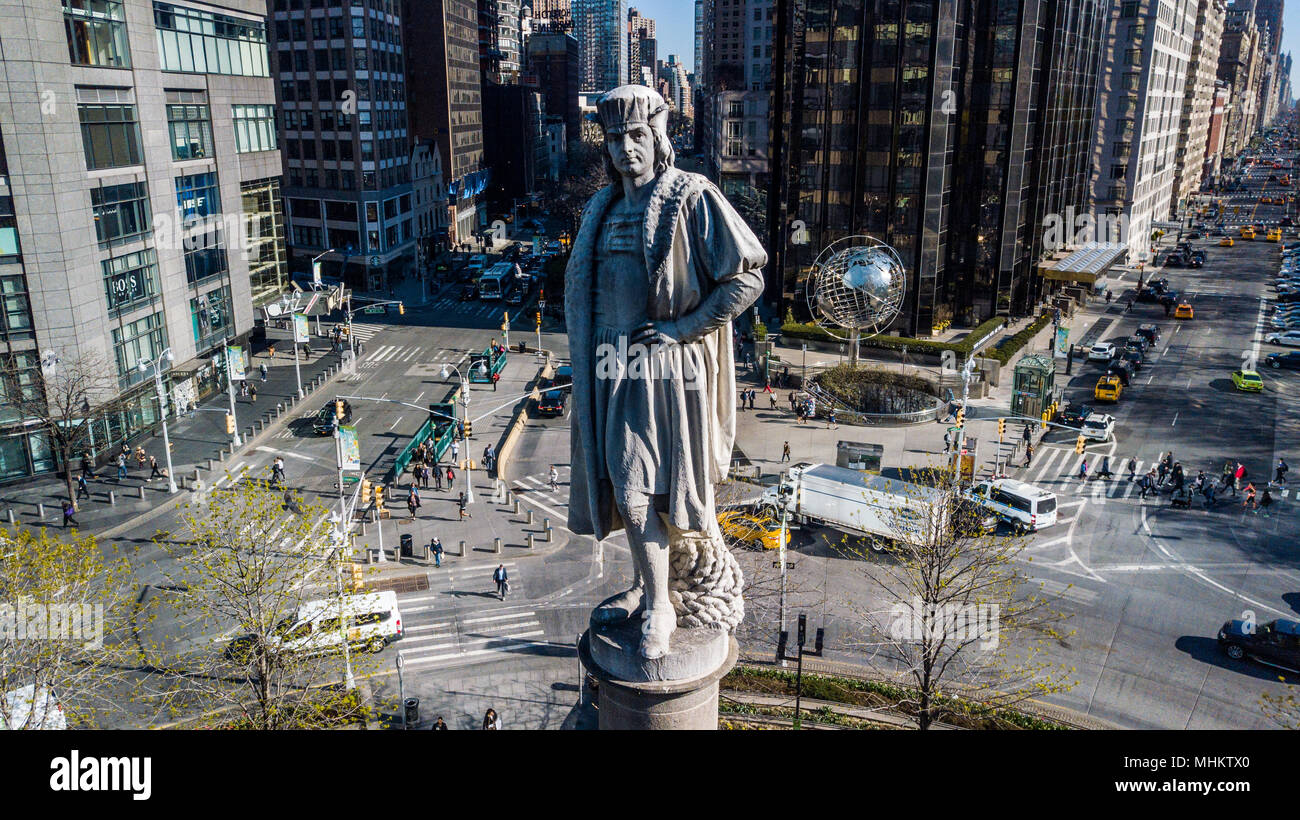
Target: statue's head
point(635, 121)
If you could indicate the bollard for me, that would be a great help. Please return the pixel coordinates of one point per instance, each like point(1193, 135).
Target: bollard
point(530, 516)
point(463, 549)
point(142, 491)
point(258, 425)
point(546, 525)
point(40, 511)
point(11, 514)
point(221, 454)
point(530, 540)
point(496, 545)
point(196, 472)
point(516, 512)
point(112, 499)
point(181, 483)
point(549, 536)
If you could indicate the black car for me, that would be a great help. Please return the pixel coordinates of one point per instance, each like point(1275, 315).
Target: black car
point(552, 403)
point(1149, 331)
point(1160, 285)
point(516, 295)
point(1148, 295)
point(469, 293)
point(1074, 416)
point(1290, 359)
point(1276, 643)
point(1122, 369)
point(1138, 343)
point(1133, 357)
point(1175, 260)
point(324, 422)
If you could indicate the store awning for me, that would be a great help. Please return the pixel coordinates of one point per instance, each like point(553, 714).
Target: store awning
point(1085, 265)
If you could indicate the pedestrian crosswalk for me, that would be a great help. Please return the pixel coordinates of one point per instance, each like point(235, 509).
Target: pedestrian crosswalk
point(364, 332)
point(409, 353)
point(432, 638)
point(1059, 469)
point(538, 487)
point(476, 309)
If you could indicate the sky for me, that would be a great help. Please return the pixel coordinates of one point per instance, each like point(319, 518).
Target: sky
point(675, 27)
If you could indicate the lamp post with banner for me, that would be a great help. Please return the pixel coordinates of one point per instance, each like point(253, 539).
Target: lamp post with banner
point(301, 335)
point(156, 364)
point(231, 356)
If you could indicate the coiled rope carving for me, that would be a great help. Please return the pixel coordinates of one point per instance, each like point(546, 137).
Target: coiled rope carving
point(705, 582)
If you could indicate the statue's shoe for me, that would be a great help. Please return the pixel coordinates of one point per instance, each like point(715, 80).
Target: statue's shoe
point(656, 631)
point(620, 607)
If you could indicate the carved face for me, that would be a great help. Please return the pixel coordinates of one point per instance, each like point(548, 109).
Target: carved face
point(632, 151)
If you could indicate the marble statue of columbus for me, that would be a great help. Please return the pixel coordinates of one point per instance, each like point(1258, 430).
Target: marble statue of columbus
point(660, 267)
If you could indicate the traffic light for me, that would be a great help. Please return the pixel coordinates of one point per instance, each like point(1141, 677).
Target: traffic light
point(379, 496)
point(1078, 445)
point(358, 578)
point(338, 410)
point(539, 318)
point(365, 491)
point(469, 428)
point(961, 418)
point(230, 424)
point(401, 309)
point(1002, 428)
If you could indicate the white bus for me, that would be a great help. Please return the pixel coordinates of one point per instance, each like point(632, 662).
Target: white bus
point(497, 280)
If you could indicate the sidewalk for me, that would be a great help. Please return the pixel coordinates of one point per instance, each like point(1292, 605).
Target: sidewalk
point(195, 438)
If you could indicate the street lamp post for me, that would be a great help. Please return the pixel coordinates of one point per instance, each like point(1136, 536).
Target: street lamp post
point(162, 408)
point(315, 279)
point(230, 390)
point(541, 308)
point(464, 404)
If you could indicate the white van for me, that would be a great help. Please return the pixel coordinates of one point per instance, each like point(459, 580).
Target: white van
point(373, 622)
point(1023, 506)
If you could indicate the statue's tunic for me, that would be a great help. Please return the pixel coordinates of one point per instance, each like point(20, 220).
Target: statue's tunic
point(690, 264)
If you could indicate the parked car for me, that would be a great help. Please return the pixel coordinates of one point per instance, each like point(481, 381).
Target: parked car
point(1290, 338)
point(1276, 643)
point(1290, 360)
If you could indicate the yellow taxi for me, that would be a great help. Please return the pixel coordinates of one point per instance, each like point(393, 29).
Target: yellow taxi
point(1274, 235)
point(1226, 242)
point(1266, 200)
point(1247, 381)
point(1108, 389)
point(1183, 311)
point(1248, 232)
point(751, 530)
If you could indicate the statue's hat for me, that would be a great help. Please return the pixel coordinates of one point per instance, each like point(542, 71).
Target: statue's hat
point(630, 105)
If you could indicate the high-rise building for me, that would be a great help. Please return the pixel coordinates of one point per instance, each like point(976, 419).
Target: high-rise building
point(679, 86)
point(1241, 67)
point(736, 153)
point(342, 87)
point(600, 27)
point(514, 142)
point(1198, 99)
point(1216, 132)
point(1140, 97)
point(446, 105)
point(508, 40)
point(553, 16)
point(950, 131)
point(553, 59)
point(640, 30)
point(140, 204)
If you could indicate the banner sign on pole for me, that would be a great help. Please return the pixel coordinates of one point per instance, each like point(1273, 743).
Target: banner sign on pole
point(301, 333)
point(349, 449)
point(1062, 342)
point(236, 364)
point(315, 272)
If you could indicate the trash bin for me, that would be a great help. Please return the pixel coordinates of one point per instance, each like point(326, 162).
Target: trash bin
point(412, 707)
point(408, 545)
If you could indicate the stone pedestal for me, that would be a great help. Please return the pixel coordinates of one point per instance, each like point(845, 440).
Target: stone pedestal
point(678, 691)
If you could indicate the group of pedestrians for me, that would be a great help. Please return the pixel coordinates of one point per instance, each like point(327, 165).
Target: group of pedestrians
point(1169, 474)
point(491, 721)
point(803, 406)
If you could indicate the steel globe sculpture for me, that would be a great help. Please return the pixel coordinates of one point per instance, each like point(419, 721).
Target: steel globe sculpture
point(857, 284)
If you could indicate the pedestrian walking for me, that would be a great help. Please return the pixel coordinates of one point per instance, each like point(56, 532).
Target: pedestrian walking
point(1265, 501)
point(413, 500)
point(1279, 473)
point(554, 477)
point(1083, 470)
point(767, 386)
point(830, 420)
point(455, 452)
point(243, 389)
point(439, 724)
point(451, 476)
point(140, 457)
point(1160, 474)
point(1208, 492)
point(502, 579)
point(1132, 469)
point(435, 546)
point(1238, 476)
point(87, 466)
point(154, 472)
point(277, 470)
point(261, 369)
point(1105, 468)
point(83, 489)
point(252, 394)
point(743, 402)
point(1029, 453)
point(947, 441)
point(772, 400)
point(785, 451)
point(121, 466)
point(462, 503)
point(68, 512)
point(1249, 503)
point(491, 720)
point(437, 478)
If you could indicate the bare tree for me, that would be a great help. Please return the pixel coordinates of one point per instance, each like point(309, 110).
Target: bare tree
point(63, 649)
point(950, 613)
point(245, 569)
point(586, 175)
point(64, 400)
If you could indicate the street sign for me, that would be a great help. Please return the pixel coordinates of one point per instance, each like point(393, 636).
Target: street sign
point(376, 309)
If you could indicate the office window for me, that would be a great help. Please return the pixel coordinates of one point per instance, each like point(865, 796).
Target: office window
point(16, 315)
point(131, 279)
point(263, 210)
point(205, 255)
point(191, 130)
point(138, 341)
point(8, 229)
point(202, 42)
point(254, 128)
point(96, 32)
point(110, 135)
point(121, 212)
point(211, 315)
point(197, 195)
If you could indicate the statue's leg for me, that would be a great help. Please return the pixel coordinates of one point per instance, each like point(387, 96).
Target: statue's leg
point(649, 537)
point(630, 602)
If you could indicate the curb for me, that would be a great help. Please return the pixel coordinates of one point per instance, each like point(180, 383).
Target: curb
point(520, 419)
